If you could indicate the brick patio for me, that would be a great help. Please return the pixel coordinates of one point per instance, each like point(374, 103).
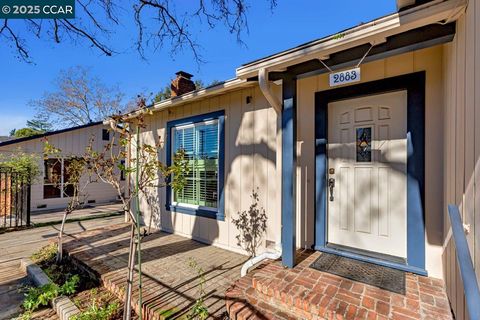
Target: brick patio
point(170, 286)
point(272, 292)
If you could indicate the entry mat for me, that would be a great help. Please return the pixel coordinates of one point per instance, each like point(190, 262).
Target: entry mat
point(382, 277)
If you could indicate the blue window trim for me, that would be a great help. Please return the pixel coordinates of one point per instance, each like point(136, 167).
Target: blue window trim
point(415, 85)
point(219, 214)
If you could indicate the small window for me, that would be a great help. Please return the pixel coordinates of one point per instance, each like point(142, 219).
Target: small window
point(201, 138)
point(364, 144)
point(105, 135)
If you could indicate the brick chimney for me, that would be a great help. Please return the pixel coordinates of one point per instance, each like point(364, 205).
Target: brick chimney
point(182, 84)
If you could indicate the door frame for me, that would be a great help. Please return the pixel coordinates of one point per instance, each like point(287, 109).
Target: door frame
point(414, 84)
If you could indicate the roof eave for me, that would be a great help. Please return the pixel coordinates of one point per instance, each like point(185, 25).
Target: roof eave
point(193, 96)
point(50, 133)
point(373, 32)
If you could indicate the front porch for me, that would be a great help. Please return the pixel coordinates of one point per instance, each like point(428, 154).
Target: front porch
point(170, 286)
point(268, 292)
point(273, 292)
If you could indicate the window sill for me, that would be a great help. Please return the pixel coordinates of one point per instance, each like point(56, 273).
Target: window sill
point(217, 215)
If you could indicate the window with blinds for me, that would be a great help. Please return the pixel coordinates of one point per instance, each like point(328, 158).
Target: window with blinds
point(200, 142)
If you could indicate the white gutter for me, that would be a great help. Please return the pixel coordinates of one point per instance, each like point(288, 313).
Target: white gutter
point(428, 13)
point(264, 84)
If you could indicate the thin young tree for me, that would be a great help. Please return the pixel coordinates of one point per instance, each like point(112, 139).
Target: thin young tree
point(75, 182)
point(124, 155)
point(139, 161)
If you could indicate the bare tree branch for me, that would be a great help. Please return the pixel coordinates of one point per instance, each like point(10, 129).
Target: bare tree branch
point(90, 37)
point(157, 21)
point(79, 99)
point(20, 46)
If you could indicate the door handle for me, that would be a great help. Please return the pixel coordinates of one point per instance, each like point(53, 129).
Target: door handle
point(331, 185)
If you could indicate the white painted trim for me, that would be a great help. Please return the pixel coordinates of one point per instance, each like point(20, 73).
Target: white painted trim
point(375, 31)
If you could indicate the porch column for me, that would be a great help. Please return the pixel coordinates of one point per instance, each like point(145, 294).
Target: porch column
point(289, 160)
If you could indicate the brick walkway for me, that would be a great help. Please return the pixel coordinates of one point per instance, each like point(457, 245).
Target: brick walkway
point(170, 286)
point(272, 292)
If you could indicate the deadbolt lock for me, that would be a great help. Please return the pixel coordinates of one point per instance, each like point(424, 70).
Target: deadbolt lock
point(331, 171)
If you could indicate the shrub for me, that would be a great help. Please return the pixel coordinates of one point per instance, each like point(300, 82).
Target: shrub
point(24, 163)
point(41, 296)
point(251, 224)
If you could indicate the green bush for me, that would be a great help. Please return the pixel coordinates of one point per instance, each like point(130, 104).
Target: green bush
point(24, 163)
point(41, 296)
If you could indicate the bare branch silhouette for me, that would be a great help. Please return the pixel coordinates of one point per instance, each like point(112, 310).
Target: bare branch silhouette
point(158, 25)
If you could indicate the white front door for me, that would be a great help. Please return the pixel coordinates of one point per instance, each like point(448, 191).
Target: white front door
point(367, 164)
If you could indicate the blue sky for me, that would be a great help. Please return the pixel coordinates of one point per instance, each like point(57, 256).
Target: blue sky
point(290, 24)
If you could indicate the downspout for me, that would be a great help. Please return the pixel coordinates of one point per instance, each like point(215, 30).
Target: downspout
point(253, 261)
point(267, 92)
point(277, 106)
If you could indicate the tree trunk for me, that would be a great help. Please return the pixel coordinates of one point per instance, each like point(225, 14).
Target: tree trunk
point(60, 238)
point(127, 308)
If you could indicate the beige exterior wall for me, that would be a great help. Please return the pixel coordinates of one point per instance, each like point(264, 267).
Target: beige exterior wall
point(250, 156)
point(71, 143)
point(462, 145)
point(250, 163)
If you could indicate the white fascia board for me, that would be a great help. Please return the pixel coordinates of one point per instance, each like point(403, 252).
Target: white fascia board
point(371, 32)
point(196, 95)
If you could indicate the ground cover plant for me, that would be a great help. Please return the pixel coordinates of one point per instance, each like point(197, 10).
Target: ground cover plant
point(94, 302)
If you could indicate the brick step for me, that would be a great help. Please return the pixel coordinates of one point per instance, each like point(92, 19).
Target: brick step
point(303, 302)
point(273, 292)
point(244, 302)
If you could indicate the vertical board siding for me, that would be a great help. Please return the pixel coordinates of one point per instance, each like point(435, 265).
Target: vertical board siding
point(462, 143)
point(71, 143)
point(250, 152)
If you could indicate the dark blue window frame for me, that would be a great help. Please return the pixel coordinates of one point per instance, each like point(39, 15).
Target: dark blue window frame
point(219, 214)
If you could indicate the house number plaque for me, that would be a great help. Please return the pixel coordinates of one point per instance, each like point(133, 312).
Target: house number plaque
point(344, 77)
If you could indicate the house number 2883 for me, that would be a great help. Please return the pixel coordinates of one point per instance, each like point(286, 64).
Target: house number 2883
point(343, 77)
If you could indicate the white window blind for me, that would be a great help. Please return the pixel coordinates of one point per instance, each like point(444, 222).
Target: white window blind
point(200, 143)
